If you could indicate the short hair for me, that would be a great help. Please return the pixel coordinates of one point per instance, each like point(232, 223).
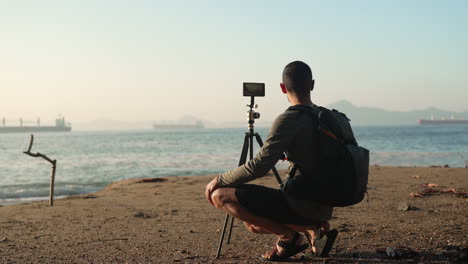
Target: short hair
point(297, 77)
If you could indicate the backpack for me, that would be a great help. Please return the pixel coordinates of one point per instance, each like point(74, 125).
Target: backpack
point(342, 165)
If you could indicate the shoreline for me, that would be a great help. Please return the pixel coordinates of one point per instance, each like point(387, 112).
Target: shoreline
point(28, 200)
point(168, 220)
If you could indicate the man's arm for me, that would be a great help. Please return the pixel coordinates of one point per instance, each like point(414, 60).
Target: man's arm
point(281, 135)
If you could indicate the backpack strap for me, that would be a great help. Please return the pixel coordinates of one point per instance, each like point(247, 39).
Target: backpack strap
point(311, 110)
point(314, 111)
point(293, 170)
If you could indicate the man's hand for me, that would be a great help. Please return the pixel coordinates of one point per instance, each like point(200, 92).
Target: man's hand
point(210, 188)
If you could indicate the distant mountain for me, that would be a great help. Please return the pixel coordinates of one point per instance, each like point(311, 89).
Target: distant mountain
point(360, 116)
point(379, 117)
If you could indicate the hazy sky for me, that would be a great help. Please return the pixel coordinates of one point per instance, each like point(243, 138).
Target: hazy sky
point(152, 60)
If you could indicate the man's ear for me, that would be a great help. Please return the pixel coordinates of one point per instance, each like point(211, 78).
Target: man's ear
point(283, 88)
point(312, 85)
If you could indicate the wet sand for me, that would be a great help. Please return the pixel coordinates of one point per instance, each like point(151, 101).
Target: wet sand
point(169, 221)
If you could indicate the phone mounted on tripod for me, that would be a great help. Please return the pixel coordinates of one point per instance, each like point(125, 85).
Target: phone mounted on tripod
point(254, 89)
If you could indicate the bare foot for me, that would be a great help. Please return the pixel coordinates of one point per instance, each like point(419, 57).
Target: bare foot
point(313, 234)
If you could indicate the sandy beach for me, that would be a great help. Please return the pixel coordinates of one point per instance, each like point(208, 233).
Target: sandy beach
point(169, 221)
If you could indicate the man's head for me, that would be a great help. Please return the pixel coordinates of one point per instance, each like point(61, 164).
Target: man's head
point(298, 80)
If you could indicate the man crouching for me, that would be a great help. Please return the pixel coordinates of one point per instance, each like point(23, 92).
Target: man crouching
point(268, 210)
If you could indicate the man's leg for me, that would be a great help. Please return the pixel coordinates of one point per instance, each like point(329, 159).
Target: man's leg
point(312, 231)
point(225, 199)
point(256, 229)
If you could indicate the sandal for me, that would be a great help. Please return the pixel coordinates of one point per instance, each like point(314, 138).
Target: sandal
point(322, 245)
point(290, 249)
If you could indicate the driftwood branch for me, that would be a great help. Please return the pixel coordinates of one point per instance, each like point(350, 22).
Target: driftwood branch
point(37, 155)
point(54, 166)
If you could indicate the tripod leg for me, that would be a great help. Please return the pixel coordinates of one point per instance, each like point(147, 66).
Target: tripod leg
point(243, 158)
point(251, 134)
point(278, 178)
point(275, 172)
point(222, 236)
point(230, 231)
point(245, 150)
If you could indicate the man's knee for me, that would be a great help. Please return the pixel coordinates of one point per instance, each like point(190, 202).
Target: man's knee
point(222, 196)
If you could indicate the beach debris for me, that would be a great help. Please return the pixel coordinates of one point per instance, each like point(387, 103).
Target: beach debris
point(397, 253)
point(430, 185)
point(434, 190)
point(417, 177)
point(429, 191)
point(404, 206)
point(54, 167)
point(152, 180)
point(101, 240)
point(391, 252)
point(453, 190)
point(141, 215)
point(450, 190)
point(90, 196)
point(4, 239)
point(439, 166)
point(416, 195)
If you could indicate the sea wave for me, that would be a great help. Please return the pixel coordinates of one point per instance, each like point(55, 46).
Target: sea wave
point(87, 161)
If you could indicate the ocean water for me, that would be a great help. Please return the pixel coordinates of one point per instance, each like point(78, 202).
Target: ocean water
point(88, 161)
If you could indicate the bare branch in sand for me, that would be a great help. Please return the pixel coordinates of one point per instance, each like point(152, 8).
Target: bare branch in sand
point(36, 155)
point(54, 166)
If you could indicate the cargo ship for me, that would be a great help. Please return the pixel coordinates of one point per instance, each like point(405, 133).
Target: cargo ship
point(60, 126)
point(443, 121)
point(198, 124)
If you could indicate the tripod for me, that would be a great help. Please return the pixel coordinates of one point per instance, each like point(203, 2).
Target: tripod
point(248, 145)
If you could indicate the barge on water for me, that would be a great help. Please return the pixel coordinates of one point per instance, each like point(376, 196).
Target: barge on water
point(443, 122)
point(60, 126)
point(197, 124)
